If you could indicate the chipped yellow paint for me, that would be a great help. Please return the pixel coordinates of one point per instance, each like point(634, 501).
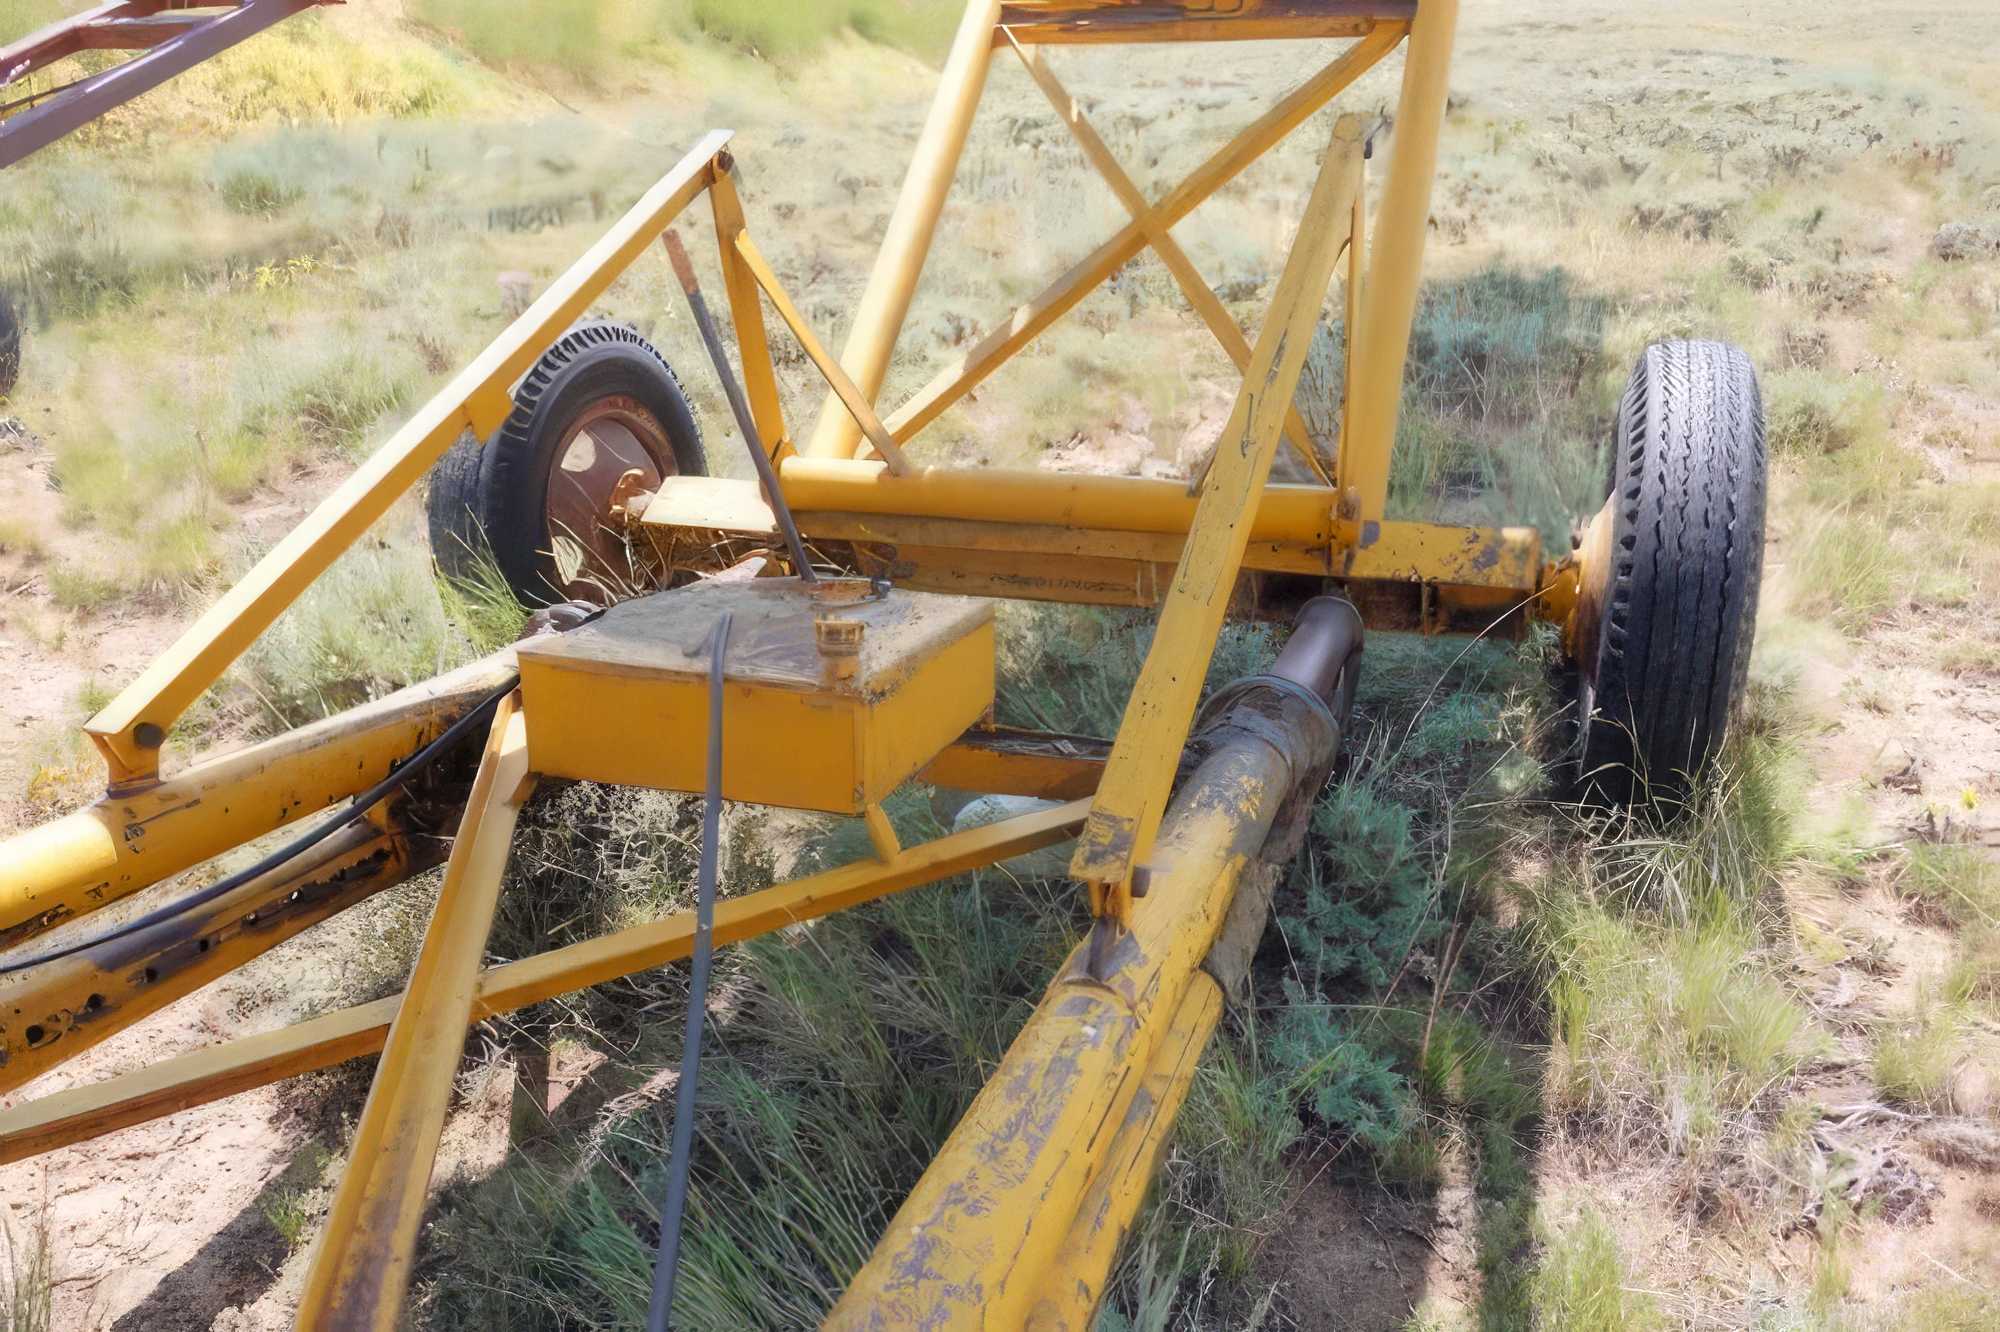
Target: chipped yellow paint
point(361, 1267)
point(976, 1243)
point(57, 1011)
point(1083, 1264)
point(134, 839)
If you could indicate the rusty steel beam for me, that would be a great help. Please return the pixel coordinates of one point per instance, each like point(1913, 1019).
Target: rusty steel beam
point(73, 107)
point(63, 38)
point(1110, 21)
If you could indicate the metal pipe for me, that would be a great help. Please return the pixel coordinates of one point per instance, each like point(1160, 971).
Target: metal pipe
point(1327, 632)
point(907, 242)
point(1389, 299)
point(746, 425)
point(1300, 515)
point(1112, 1202)
point(979, 1239)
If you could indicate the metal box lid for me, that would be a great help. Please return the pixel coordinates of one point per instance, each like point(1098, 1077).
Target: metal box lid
point(833, 696)
point(842, 635)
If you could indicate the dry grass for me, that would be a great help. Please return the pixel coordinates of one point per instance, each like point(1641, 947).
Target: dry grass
point(272, 304)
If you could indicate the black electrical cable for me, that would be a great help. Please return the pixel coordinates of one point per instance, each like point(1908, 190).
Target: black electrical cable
point(298, 846)
point(704, 947)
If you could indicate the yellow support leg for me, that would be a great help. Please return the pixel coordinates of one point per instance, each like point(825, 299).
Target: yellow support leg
point(871, 341)
point(1389, 304)
point(360, 1272)
point(1140, 772)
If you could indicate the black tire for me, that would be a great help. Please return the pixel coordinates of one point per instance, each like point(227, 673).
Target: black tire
point(10, 345)
point(453, 507)
point(1687, 554)
point(493, 503)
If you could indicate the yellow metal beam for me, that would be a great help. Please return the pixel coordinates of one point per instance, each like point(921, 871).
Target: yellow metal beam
point(1389, 302)
point(1496, 557)
point(65, 1007)
point(131, 840)
point(1114, 21)
point(360, 1271)
point(1082, 1267)
point(131, 728)
point(982, 1237)
point(965, 373)
point(1001, 760)
point(836, 378)
point(746, 312)
point(1296, 515)
point(1205, 303)
point(885, 301)
point(163, 1088)
point(1140, 772)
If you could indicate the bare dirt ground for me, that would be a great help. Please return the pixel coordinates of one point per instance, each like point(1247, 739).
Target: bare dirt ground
point(177, 1224)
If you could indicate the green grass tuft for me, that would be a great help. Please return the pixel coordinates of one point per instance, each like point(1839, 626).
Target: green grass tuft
point(1581, 1283)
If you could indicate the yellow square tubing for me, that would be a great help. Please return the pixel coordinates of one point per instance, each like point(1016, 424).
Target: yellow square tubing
point(836, 378)
point(360, 1270)
point(760, 374)
point(1139, 775)
point(83, 1113)
point(132, 727)
point(1389, 302)
point(1204, 301)
point(1026, 322)
point(885, 301)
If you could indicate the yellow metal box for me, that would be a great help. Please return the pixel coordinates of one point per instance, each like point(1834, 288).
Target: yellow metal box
point(832, 697)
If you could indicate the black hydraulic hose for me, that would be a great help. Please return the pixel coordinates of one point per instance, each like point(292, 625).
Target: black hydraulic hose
point(298, 846)
point(681, 1160)
point(746, 425)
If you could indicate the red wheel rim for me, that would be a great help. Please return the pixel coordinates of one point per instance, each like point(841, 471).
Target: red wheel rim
point(595, 557)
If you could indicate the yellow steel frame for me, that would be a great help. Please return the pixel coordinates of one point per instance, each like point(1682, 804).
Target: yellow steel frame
point(1008, 1234)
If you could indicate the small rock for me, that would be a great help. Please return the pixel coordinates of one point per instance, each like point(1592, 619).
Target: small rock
point(1961, 1142)
point(1966, 240)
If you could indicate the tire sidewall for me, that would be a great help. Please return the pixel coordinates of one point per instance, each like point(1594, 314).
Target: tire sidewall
point(598, 360)
point(1672, 657)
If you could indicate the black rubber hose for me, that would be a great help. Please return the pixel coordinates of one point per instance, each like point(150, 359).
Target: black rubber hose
point(298, 846)
point(680, 1162)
